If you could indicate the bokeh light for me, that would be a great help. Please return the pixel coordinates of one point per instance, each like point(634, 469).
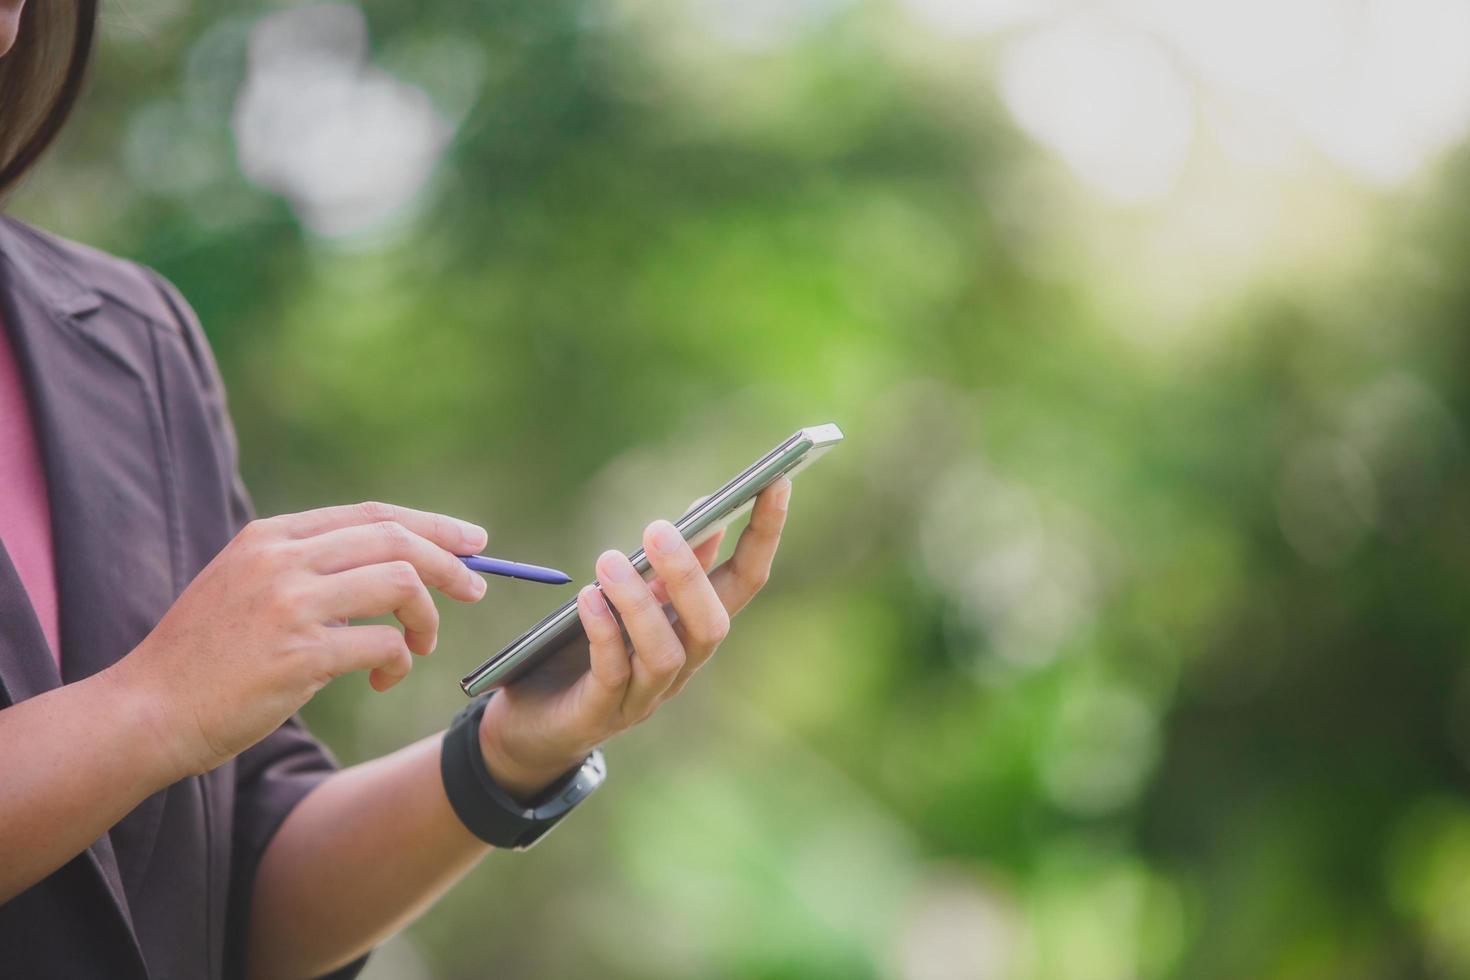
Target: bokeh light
point(1124, 638)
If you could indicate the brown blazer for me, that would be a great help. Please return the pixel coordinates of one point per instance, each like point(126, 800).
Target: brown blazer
point(139, 457)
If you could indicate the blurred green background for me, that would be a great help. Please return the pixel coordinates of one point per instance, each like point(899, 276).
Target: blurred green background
point(1124, 637)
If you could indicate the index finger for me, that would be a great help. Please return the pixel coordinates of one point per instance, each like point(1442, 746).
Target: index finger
point(372, 544)
point(449, 533)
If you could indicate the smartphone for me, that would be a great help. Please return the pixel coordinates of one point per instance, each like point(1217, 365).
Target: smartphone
point(713, 513)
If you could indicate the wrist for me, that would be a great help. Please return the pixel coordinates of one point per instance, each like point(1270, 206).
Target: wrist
point(486, 808)
point(149, 711)
point(139, 709)
point(522, 780)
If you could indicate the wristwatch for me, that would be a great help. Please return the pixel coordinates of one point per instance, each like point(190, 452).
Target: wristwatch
point(489, 811)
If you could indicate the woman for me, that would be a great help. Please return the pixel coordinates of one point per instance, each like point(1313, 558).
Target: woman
point(162, 812)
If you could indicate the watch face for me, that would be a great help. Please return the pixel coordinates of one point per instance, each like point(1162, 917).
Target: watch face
point(587, 778)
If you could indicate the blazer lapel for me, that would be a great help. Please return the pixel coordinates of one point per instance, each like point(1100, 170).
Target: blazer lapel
point(102, 436)
point(99, 424)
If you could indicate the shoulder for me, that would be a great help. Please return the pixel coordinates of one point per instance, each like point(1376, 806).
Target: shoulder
point(75, 277)
point(71, 265)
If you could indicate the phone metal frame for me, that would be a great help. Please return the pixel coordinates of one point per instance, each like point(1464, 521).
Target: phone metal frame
point(713, 513)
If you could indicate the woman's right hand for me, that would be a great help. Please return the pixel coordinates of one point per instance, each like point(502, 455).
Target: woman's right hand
point(264, 626)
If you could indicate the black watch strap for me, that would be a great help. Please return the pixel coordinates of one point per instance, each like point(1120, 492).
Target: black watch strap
point(489, 811)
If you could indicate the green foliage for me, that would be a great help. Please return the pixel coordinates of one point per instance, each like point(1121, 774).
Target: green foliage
point(1086, 657)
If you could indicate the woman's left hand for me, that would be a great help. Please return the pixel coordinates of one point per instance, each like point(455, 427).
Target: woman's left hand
point(545, 724)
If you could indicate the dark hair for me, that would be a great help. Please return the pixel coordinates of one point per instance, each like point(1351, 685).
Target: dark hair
point(40, 79)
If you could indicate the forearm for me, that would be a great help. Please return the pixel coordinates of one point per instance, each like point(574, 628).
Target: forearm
point(79, 758)
point(359, 858)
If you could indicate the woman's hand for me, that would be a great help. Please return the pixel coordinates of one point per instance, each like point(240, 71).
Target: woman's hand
point(263, 626)
point(543, 725)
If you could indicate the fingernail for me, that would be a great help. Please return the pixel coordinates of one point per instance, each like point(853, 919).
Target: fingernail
point(666, 539)
point(480, 586)
point(590, 601)
point(475, 536)
point(783, 492)
point(615, 565)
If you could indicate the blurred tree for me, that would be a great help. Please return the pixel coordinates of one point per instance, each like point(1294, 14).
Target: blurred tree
point(1088, 656)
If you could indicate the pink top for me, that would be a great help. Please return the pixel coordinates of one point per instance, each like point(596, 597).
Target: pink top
point(25, 514)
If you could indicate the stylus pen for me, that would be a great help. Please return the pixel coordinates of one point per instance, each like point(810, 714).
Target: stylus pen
point(515, 569)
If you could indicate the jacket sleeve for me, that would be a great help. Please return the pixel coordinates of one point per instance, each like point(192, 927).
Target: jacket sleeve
point(271, 777)
point(276, 773)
